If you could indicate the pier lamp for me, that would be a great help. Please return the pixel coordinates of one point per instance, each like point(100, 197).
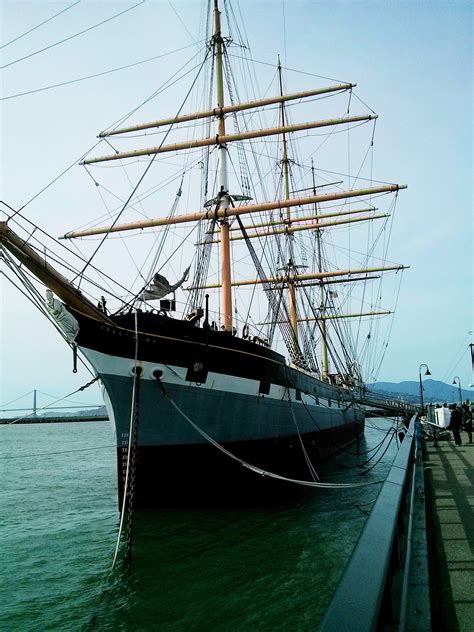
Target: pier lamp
point(427, 372)
point(456, 377)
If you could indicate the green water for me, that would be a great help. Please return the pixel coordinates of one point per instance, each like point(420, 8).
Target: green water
point(257, 566)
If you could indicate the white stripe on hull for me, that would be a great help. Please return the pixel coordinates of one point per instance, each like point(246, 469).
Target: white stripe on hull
point(123, 367)
point(227, 408)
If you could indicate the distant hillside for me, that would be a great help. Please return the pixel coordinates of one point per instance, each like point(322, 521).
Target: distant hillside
point(433, 391)
point(100, 411)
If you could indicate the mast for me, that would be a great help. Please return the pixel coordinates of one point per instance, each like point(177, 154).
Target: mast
point(286, 196)
point(224, 200)
point(322, 322)
point(284, 159)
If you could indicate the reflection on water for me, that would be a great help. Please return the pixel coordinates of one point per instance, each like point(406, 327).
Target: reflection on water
point(265, 562)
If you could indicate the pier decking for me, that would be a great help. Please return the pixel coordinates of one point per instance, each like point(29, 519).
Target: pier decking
point(413, 567)
point(449, 476)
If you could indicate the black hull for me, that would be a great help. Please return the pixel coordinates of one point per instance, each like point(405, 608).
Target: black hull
point(237, 392)
point(169, 475)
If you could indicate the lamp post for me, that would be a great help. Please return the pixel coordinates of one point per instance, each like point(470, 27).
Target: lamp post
point(456, 377)
point(427, 372)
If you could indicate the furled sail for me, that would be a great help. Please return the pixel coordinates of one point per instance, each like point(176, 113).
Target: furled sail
point(160, 286)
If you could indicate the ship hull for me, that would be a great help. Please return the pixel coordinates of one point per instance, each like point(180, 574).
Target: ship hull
point(173, 475)
point(208, 406)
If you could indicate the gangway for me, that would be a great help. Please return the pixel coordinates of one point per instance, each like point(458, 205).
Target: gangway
point(379, 406)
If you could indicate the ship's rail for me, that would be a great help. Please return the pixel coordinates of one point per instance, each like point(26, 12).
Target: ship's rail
point(374, 588)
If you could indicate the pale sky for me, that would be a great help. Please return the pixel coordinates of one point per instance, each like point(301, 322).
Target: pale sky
point(412, 62)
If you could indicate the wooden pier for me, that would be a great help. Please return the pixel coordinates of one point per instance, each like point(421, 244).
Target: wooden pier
point(412, 569)
point(449, 476)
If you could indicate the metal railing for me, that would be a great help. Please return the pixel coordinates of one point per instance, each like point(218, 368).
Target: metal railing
point(369, 593)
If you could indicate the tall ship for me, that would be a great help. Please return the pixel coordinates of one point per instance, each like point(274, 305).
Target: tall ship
point(232, 348)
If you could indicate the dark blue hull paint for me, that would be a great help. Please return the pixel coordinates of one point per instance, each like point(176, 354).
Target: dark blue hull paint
point(170, 475)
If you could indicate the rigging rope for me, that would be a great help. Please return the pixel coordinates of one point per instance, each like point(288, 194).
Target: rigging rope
point(61, 261)
point(66, 39)
point(276, 305)
point(93, 76)
point(312, 471)
point(391, 431)
point(301, 72)
point(162, 237)
point(381, 456)
point(15, 39)
point(144, 173)
point(205, 229)
point(338, 364)
point(31, 294)
point(167, 84)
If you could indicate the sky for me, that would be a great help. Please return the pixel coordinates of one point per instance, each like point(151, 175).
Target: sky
point(412, 62)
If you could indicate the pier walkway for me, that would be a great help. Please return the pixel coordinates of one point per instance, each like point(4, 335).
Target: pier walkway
point(412, 569)
point(449, 477)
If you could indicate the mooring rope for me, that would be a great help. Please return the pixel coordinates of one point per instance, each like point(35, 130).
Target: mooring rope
point(254, 468)
point(312, 471)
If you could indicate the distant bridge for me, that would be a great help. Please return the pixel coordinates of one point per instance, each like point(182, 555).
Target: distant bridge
point(52, 420)
point(31, 413)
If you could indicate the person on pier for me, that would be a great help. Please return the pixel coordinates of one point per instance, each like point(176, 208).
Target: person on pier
point(467, 421)
point(456, 423)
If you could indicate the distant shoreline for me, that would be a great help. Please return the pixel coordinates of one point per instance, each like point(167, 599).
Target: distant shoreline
point(52, 420)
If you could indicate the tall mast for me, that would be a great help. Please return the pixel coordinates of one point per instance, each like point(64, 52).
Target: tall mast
point(226, 291)
point(322, 323)
point(286, 196)
point(284, 159)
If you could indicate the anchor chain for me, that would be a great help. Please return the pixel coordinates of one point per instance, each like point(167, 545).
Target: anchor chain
point(133, 466)
point(128, 500)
